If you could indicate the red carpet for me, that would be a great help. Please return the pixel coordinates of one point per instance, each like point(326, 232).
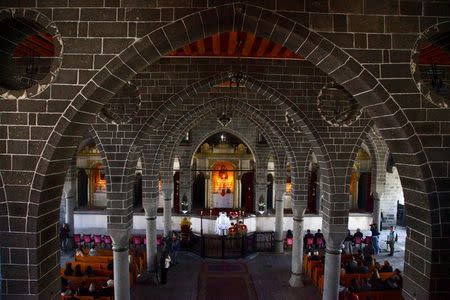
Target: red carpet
point(225, 281)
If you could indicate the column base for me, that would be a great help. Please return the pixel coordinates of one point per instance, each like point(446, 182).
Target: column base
point(296, 280)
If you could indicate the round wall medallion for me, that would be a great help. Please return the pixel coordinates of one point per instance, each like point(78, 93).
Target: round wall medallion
point(123, 107)
point(430, 64)
point(290, 122)
point(337, 106)
point(31, 50)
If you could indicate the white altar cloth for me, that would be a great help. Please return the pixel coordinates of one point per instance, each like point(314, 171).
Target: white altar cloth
point(223, 201)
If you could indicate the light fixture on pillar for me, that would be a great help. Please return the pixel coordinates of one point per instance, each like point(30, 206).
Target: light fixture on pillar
point(184, 204)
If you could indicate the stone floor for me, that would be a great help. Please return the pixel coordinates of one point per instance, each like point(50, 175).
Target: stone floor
point(269, 272)
point(397, 261)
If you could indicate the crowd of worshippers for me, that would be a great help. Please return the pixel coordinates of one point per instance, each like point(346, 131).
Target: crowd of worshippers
point(71, 290)
point(367, 264)
point(352, 242)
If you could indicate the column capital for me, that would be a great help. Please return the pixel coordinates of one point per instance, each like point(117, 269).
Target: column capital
point(334, 241)
point(120, 238)
point(150, 209)
point(298, 210)
point(167, 192)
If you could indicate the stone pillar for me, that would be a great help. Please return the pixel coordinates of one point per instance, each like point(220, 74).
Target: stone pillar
point(150, 235)
point(332, 265)
point(167, 211)
point(70, 197)
point(279, 214)
point(377, 210)
point(297, 248)
point(185, 180)
point(120, 239)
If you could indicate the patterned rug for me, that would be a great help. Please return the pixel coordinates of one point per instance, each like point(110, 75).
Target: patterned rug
point(225, 281)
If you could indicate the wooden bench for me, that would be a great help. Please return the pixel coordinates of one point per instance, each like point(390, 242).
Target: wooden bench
point(381, 295)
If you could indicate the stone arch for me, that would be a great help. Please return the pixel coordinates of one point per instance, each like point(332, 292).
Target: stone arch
point(263, 23)
point(354, 152)
point(208, 108)
point(342, 67)
point(229, 130)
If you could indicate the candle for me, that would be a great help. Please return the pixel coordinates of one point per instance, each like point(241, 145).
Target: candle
point(210, 212)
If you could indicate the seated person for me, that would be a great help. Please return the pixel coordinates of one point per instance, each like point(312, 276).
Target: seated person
point(93, 251)
point(92, 290)
point(110, 282)
point(89, 272)
point(315, 256)
point(386, 267)
point(365, 285)
point(232, 230)
point(242, 228)
point(68, 271)
point(376, 282)
point(64, 284)
point(110, 265)
point(352, 266)
point(362, 268)
point(319, 240)
point(354, 285)
point(79, 252)
point(82, 290)
point(307, 236)
point(289, 234)
point(358, 235)
point(78, 272)
point(395, 281)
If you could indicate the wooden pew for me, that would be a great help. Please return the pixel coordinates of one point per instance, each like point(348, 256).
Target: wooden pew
point(347, 278)
point(381, 295)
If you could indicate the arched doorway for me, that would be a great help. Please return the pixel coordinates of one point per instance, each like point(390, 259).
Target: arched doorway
point(269, 191)
point(137, 191)
point(82, 188)
point(198, 191)
point(247, 192)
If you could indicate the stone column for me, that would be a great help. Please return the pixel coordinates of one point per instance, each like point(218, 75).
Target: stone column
point(279, 214)
point(185, 180)
point(297, 248)
point(332, 265)
point(167, 211)
point(70, 197)
point(150, 235)
point(377, 210)
point(120, 239)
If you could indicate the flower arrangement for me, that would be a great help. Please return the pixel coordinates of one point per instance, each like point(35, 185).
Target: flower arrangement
point(234, 214)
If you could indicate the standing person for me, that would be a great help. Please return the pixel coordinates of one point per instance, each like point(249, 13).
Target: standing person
point(164, 264)
point(64, 236)
point(175, 246)
point(375, 239)
point(391, 240)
